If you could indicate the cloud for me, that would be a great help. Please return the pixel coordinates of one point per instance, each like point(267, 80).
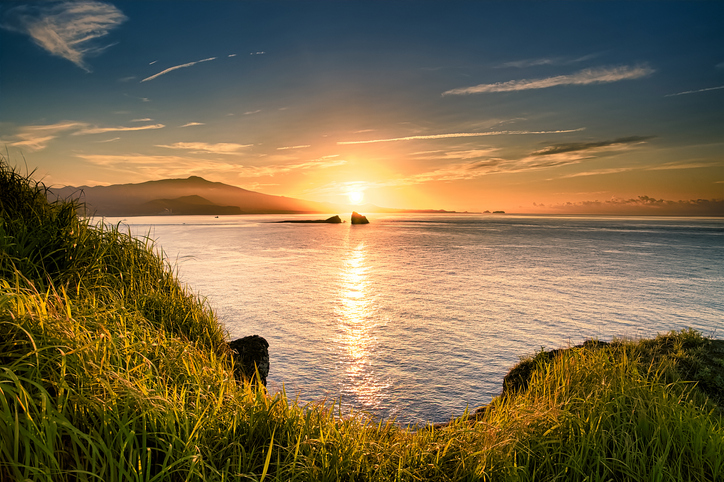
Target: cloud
point(158, 167)
point(584, 77)
point(324, 162)
point(691, 164)
point(69, 30)
point(219, 148)
point(250, 112)
point(292, 147)
point(103, 130)
point(145, 119)
point(459, 134)
point(585, 146)
point(191, 124)
point(176, 67)
point(520, 64)
point(599, 172)
point(36, 138)
point(483, 164)
point(695, 91)
point(654, 167)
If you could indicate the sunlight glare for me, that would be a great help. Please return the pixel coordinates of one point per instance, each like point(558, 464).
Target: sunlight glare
point(356, 197)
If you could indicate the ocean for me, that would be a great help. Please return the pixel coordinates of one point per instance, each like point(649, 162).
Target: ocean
point(416, 317)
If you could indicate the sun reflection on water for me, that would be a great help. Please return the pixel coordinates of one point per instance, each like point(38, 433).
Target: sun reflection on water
point(357, 324)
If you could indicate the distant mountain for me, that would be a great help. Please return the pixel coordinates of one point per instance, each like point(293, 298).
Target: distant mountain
point(371, 208)
point(193, 195)
point(185, 205)
point(196, 195)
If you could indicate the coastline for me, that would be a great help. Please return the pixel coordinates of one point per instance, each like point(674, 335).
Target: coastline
point(109, 367)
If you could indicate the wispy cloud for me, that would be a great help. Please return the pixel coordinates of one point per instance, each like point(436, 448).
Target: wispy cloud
point(219, 148)
point(176, 67)
point(677, 165)
point(598, 172)
point(691, 164)
point(145, 119)
point(292, 147)
point(103, 130)
point(481, 163)
point(36, 138)
point(67, 29)
point(587, 146)
point(324, 162)
point(459, 134)
point(191, 124)
point(584, 77)
point(695, 91)
point(520, 64)
point(251, 112)
point(158, 167)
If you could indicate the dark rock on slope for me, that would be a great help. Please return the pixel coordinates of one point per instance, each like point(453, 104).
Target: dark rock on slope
point(251, 354)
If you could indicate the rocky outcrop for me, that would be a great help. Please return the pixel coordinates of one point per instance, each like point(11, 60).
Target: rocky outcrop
point(358, 218)
point(518, 377)
point(332, 220)
point(251, 355)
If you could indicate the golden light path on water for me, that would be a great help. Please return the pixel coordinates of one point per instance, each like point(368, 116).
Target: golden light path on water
point(357, 325)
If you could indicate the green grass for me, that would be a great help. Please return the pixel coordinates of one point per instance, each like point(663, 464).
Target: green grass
point(110, 370)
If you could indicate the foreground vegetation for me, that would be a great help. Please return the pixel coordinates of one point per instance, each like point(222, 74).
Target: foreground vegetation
point(111, 371)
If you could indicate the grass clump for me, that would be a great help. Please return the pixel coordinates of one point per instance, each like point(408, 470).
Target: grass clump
point(110, 370)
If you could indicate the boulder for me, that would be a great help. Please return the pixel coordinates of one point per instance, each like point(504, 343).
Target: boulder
point(251, 354)
point(358, 218)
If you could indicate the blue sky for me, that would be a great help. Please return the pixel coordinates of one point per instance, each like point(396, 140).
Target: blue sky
point(522, 106)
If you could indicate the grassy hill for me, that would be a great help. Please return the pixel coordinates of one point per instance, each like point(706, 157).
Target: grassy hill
point(111, 371)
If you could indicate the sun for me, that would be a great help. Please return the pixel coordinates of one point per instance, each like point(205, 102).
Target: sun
point(356, 197)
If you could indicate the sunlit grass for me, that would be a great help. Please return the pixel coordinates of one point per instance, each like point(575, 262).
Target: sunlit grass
point(111, 371)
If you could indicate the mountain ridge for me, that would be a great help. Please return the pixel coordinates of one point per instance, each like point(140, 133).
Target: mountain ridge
point(177, 196)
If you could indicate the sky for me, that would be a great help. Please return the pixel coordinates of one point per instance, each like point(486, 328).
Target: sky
point(527, 107)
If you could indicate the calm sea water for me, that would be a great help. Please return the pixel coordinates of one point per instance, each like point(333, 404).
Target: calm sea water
point(415, 317)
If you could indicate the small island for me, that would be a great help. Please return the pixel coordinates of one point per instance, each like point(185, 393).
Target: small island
point(332, 220)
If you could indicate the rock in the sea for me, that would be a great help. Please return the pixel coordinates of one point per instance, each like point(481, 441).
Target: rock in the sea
point(358, 218)
point(332, 220)
point(251, 354)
